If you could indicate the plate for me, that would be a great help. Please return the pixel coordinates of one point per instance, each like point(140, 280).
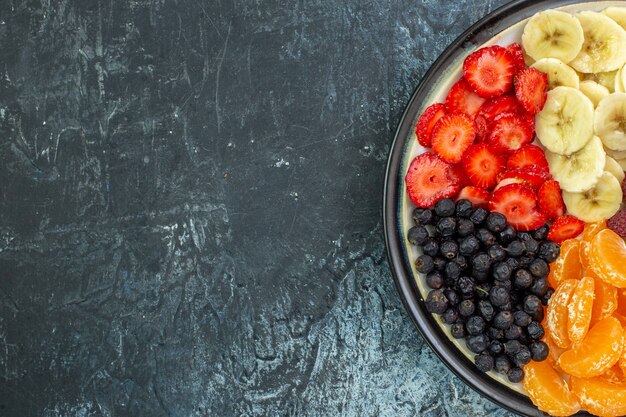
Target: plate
point(502, 26)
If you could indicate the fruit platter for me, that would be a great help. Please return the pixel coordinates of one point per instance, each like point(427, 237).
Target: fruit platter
point(504, 208)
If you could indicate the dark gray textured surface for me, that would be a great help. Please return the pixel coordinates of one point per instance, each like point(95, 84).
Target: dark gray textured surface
point(190, 197)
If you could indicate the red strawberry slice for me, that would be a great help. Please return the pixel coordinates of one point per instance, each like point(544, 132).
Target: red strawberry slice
point(528, 156)
point(489, 71)
point(550, 200)
point(497, 106)
point(452, 135)
point(429, 180)
point(510, 131)
point(482, 165)
point(460, 175)
point(530, 177)
point(482, 128)
point(616, 223)
point(565, 227)
point(515, 49)
point(427, 121)
point(518, 203)
point(477, 196)
point(461, 99)
point(531, 89)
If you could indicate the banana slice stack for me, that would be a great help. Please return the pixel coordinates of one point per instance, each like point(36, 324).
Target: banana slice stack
point(583, 123)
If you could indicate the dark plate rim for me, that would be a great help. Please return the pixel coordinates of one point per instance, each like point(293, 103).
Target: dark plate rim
point(476, 34)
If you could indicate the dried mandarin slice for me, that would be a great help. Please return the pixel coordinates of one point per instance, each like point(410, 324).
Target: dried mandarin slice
point(556, 318)
point(548, 391)
point(579, 310)
point(591, 229)
point(567, 265)
point(601, 396)
point(599, 350)
point(604, 301)
point(606, 258)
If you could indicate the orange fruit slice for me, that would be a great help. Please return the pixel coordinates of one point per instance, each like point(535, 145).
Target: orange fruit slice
point(599, 350)
point(614, 374)
point(554, 352)
point(605, 300)
point(601, 396)
point(556, 318)
point(621, 301)
point(591, 229)
point(548, 391)
point(606, 258)
point(567, 265)
point(579, 310)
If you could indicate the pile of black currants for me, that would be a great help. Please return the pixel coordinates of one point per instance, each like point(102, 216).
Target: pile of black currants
point(488, 282)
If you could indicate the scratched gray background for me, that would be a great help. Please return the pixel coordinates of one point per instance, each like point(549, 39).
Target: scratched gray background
point(190, 208)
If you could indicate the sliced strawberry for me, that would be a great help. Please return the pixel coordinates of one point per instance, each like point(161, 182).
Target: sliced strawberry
point(489, 71)
point(460, 175)
point(531, 89)
point(452, 135)
point(461, 99)
point(616, 223)
point(515, 49)
point(482, 165)
point(477, 196)
point(510, 131)
point(427, 121)
point(528, 156)
point(497, 106)
point(429, 180)
point(507, 181)
point(530, 177)
point(550, 200)
point(565, 227)
point(519, 204)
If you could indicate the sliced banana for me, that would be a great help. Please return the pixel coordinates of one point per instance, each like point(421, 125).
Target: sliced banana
point(606, 79)
point(617, 155)
point(598, 203)
point(609, 121)
point(604, 48)
point(622, 163)
point(618, 82)
point(612, 166)
point(618, 14)
point(594, 91)
point(579, 171)
point(565, 124)
point(559, 73)
point(553, 34)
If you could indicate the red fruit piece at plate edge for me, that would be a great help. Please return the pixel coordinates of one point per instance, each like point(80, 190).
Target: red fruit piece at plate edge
point(511, 131)
point(565, 227)
point(452, 135)
point(528, 156)
point(477, 196)
point(482, 165)
point(518, 203)
point(515, 49)
point(531, 89)
point(489, 71)
point(617, 223)
point(427, 121)
point(429, 180)
point(461, 99)
point(550, 199)
point(529, 176)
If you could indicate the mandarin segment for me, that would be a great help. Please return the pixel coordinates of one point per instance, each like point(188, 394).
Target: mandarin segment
point(606, 258)
point(621, 301)
point(556, 319)
point(548, 391)
point(601, 396)
point(591, 229)
point(598, 351)
point(567, 265)
point(614, 374)
point(579, 310)
point(554, 352)
point(605, 300)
